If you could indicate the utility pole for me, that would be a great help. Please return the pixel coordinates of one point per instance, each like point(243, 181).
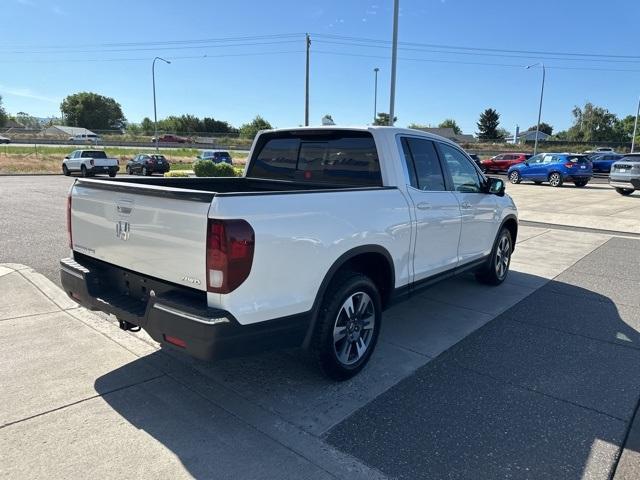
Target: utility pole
point(394, 61)
point(535, 145)
point(635, 128)
point(155, 114)
point(306, 83)
point(375, 95)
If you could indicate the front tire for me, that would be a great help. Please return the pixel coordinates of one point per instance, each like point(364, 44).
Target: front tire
point(555, 179)
point(515, 177)
point(348, 325)
point(625, 191)
point(65, 171)
point(145, 172)
point(129, 172)
point(495, 272)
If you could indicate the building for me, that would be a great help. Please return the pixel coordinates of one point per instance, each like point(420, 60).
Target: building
point(62, 131)
point(530, 136)
point(450, 134)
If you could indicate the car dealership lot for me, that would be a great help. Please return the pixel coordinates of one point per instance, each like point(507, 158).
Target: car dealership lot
point(534, 378)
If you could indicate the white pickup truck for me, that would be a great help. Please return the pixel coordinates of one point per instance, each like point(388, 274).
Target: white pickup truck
point(327, 228)
point(89, 162)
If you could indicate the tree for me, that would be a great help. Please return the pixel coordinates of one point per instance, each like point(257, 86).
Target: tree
point(147, 126)
point(503, 133)
point(3, 114)
point(383, 119)
point(593, 124)
point(544, 127)
point(93, 111)
point(249, 130)
point(418, 126)
point(27, 120)
point(624, 128)
point(488, 125)
point(450, 123)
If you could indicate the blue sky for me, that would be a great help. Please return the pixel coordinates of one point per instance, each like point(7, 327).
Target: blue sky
point(239, 79)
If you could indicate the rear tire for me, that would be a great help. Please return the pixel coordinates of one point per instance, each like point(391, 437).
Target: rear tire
point(537, 182)
point(515, 177)
point(65, 171)
point(581, 183)
point(348, 325)
point(83, 171)
point(625, 191)
point(497, 268)
point(112, 174)
point(555, 179)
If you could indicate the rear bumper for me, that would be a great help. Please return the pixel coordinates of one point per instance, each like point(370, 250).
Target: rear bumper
point(105, 169)
point(171, 311)
point(625, 183)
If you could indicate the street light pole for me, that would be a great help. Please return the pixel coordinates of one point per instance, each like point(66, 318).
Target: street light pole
point(394, 61)
point(306, 82)
point(635, 128)
point(155, 114)
point(375, 95)
point(535, 146)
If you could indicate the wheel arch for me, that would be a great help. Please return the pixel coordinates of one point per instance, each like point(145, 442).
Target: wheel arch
point(373, 261)
point(510, 222)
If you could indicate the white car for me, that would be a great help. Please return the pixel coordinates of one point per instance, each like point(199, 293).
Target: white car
point(89, 163)
point(328, 227)
point(87, 138)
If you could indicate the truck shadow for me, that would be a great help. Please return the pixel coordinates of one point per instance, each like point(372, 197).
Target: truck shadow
point(544, 387)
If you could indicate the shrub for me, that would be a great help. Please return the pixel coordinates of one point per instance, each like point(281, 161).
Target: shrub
point(206, 168)
point(224, 170)
point(177, 173)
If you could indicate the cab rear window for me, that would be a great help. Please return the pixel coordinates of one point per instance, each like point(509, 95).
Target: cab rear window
point(334, 157)
point(577, 159)
point(94, 154)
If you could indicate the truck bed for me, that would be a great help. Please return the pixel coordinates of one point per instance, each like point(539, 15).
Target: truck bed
point(211, 185)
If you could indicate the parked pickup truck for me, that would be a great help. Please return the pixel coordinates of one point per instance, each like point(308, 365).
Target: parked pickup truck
point(328, 227)
point(89, 162)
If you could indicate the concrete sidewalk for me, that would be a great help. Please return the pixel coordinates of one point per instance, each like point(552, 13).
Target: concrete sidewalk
point(82, 398)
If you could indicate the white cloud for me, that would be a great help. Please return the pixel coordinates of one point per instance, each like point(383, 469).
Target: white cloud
point(25, 93)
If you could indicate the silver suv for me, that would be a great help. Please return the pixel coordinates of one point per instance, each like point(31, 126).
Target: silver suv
point(625, 174)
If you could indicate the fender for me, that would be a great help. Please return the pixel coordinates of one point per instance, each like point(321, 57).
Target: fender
point(337, 265)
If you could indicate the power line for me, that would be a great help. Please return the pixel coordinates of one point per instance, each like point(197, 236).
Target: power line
point(165, 42)
point(473, 63)
point(478, 54)
point(457, 47)
point(146, 59)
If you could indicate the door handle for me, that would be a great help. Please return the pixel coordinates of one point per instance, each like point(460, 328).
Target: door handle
point(465, 205)
point(423, 206)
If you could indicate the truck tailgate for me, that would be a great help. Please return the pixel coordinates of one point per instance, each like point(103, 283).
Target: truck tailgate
point(155, 231)
point(105, 162)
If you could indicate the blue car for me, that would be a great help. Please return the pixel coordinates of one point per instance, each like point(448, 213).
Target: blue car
point(603, 161)
point(555, 168)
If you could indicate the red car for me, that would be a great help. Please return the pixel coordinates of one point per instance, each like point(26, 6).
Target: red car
point(502, 162)
point(170, 139)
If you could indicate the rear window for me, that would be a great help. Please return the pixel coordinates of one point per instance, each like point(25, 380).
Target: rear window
point(221, 154)
point(577, 159)
point(340, 158)
point(631, 158)
point(158, 157)
point(94, 154)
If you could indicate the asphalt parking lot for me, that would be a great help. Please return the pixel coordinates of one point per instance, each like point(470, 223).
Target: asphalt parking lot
point(533, 379)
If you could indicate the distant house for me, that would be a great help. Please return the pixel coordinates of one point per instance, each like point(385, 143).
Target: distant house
point(62, 131)
point(450, 134)
point(530, 136)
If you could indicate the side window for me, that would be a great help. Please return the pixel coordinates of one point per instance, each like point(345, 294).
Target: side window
point(536, 159)
point(424, 167)
point(499, 157)
point(463, 174)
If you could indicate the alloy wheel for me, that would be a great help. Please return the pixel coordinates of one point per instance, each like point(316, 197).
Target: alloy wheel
point(353, 328)
point(503, 256)
point(554, 180)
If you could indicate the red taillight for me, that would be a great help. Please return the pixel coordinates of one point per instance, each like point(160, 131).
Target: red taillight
point(69, 220)
point(569, 164)
point(230, 245)
point(178, 342)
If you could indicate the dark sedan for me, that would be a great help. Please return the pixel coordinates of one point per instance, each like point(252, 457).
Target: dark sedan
point(147, 164)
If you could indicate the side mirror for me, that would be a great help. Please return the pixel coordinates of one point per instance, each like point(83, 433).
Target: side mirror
point(526, 164)
point(67, 157)
point(495, 186)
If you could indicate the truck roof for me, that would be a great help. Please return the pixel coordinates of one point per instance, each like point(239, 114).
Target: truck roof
point(384, 130)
